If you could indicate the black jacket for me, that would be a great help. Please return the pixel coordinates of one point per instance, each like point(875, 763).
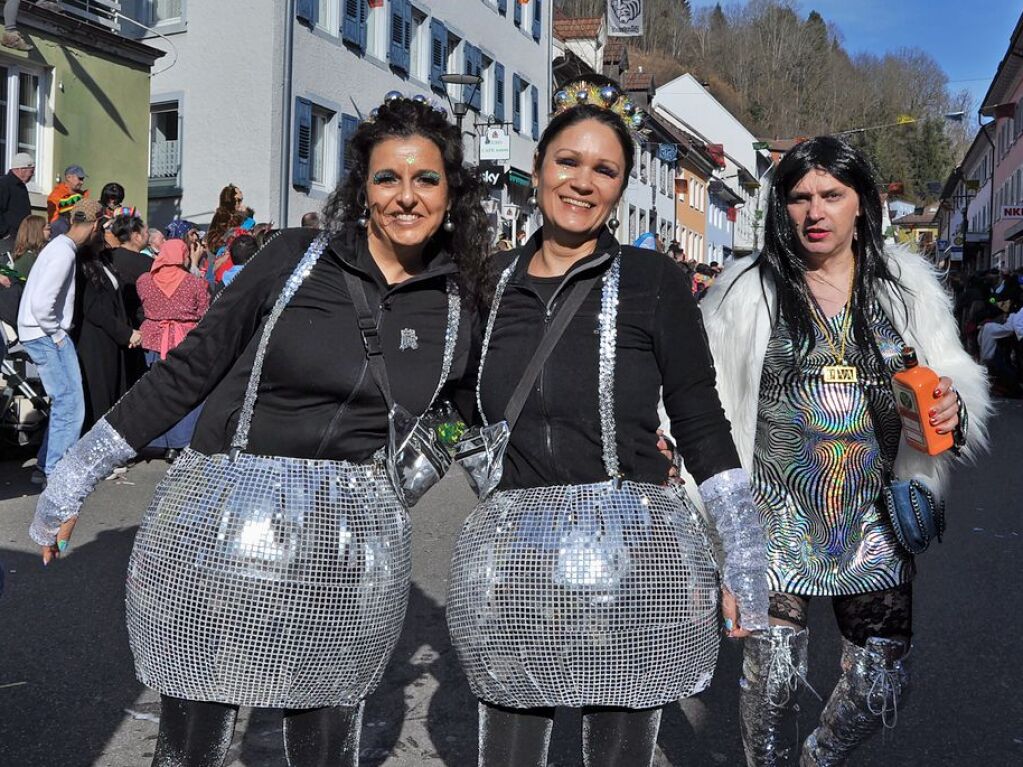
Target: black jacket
point(661, 343)
point(316, 398)
point(15, 205)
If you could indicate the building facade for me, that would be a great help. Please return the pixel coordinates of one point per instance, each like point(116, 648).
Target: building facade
point(964, 216)
point(721, 215)
point(270, 106)
point(79, 97)
point(688, 105)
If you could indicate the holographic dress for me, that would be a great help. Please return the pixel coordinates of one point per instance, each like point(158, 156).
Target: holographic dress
point(817, 468)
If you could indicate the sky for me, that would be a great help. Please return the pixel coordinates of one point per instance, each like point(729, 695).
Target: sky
point(968, 38)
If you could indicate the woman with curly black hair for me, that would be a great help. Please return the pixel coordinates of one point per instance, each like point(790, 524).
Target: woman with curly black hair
point(272, 567)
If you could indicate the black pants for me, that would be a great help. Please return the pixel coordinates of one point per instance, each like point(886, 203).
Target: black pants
point(612, 737)
point(198, 734)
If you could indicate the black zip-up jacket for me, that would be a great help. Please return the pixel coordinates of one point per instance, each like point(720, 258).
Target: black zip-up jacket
point(661, 343)
point(316, 396)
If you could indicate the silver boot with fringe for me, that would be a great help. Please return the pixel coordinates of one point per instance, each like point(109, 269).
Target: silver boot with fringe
point(873, 685)
point(773, 665)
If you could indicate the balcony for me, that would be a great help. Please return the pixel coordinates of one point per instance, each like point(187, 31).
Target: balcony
point(102, 12)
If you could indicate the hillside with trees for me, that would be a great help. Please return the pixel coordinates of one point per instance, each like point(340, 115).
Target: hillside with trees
point(786, 74)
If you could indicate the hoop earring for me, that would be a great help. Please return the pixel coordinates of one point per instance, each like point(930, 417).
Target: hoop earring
point(449, 225)
point(613, 224)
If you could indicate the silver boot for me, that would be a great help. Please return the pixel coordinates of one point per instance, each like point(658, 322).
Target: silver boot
point(868, 694)
point(773, 664)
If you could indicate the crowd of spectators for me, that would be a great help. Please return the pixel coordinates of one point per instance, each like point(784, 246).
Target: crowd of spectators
point(989, 310)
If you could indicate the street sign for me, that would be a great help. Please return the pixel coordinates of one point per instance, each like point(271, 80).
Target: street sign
point(496, 144)
point(957, 241)
point(942, 244)
point(956, 254)
point(758, 145)
point(1012, 211)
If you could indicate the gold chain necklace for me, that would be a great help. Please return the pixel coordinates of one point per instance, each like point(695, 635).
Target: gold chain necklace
point(839, 372)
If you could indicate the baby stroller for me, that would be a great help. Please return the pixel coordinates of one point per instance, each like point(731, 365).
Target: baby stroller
point(24, 409)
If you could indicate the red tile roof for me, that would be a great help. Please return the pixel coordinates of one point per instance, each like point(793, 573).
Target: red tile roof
point(638, 81)
point(614, 51)
point(574, 29)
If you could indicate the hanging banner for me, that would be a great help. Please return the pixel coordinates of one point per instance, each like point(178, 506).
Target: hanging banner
point(625, 18)
point(495, 144)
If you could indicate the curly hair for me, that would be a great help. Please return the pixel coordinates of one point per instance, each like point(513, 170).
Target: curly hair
point(469, 243)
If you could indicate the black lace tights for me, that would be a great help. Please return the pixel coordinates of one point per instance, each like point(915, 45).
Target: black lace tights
point(887, 614)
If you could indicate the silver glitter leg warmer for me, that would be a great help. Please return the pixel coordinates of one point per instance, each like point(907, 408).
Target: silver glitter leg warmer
point(730, 506)
point(92, 458)
point(774, 663)
point(874, 683)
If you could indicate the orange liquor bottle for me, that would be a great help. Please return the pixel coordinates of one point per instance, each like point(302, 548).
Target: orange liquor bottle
point(914, 397)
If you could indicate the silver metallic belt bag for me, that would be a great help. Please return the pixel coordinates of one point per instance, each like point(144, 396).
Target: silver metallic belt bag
point(416, 459)
point(481, 451)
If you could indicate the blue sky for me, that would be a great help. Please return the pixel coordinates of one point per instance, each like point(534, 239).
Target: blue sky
point(967, 37)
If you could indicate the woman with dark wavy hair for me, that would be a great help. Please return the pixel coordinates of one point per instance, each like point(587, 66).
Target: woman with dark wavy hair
point(806, 337)
point(272, 567)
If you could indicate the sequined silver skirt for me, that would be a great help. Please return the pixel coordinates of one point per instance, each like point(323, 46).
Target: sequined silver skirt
point(578, 595)
point(268, 581)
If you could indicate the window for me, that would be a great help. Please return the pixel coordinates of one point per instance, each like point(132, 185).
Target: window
point(313, 145)
point(354, 23)
point(632, 223)
point(163, 12)
point(21, 116)
point(377, 22)
point(164, 143)
point(318, 146)
point(537, 19)
point(519, 106)
point(438, 53)
point(419, 47)
point(472, 64)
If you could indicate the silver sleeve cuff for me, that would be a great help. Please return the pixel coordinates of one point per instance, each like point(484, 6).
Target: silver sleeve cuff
point(92, 458)
point(729, 504)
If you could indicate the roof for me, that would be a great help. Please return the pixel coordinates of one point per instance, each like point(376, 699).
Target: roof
point(1008, 73)
point(781, 145)
point(574, 29)
point(614, 51)
point(917, 219)
point(638, 81)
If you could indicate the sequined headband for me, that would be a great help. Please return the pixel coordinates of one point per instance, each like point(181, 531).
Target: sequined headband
point(609, 97)
point(392, 96)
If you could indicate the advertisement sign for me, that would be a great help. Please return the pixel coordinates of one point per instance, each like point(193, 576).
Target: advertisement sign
point(625, 18)
point(1012, 211)
point(492, 174)
point(495, 144)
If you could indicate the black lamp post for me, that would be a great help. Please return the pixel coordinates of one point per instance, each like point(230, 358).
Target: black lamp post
point(460, 108)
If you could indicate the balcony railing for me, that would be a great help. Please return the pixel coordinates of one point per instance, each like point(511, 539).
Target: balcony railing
point(164, 160)
point(102, 12)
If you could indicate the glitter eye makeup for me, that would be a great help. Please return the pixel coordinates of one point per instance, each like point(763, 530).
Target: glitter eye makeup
point(384, 176)
point(430, 176)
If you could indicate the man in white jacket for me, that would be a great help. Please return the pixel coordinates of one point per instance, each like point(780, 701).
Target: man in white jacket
point(44, 319)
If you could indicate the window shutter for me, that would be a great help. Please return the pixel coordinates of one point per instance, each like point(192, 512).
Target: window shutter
point(438, 53)
point(473, 59)
point(535, 110)
point(499, 91)
point(399, 49)
point(537, 18)
point(307, 11)
point(353, 24)
point(408, 35)
point(502, 7)
point(517, 102)
point(518, 13)
point(349, 125)
point(302, 143)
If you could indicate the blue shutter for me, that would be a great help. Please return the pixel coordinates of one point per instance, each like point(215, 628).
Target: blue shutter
point(535, 110)
point(473, 59)
point(349, 125)
point(438, 53)
point(307, 11)
point(399, 48)
point(518, 13)
point(408, 36)
point(537, 18)
point(502, 7)
point(302, 147)
point(499, 91)
point(517, 102)
point(353, 23)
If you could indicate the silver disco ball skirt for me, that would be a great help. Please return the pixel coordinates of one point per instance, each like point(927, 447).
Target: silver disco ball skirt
point(585, 595)
point(266, 581)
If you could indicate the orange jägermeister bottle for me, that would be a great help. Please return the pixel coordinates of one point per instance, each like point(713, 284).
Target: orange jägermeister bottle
point(914, 397)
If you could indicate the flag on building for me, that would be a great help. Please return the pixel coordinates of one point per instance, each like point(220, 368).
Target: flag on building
point(717, 154)
point(625, 18)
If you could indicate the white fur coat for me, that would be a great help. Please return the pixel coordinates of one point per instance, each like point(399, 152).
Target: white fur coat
point(737, 312)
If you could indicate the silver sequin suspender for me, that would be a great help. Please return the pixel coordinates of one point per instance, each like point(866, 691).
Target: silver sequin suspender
point(608, 323)
point(298, 276)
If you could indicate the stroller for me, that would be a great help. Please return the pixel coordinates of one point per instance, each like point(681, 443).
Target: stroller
point(24, 409)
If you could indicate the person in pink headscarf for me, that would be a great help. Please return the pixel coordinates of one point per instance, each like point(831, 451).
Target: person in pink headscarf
point(173, 301)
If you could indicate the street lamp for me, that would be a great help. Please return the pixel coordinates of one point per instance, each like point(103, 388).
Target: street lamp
point(460, 108)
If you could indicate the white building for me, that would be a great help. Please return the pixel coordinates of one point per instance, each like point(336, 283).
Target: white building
point(685, 103)
point(969, 187)
point(264, 95)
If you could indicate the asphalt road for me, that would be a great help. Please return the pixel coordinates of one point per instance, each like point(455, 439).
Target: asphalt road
point(68, 696)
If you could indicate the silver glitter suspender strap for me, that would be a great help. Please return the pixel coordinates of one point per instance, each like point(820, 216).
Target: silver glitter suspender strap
point(502, 283)
point(608, 322)
point(450, 336)
point(298, 276)
point(606, 383)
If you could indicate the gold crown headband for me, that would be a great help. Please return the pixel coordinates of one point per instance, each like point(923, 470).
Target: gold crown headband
point(609, 97)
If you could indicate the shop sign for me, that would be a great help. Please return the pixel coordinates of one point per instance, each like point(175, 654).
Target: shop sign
point(496, 144)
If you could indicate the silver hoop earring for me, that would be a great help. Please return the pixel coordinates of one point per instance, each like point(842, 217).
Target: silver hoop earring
point(613, 224)
point(449, 225)
point(363, 220)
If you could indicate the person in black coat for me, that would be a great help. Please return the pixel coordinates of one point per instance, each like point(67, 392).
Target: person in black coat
point(104, 333)
point(131, 235)
point(15, 205)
